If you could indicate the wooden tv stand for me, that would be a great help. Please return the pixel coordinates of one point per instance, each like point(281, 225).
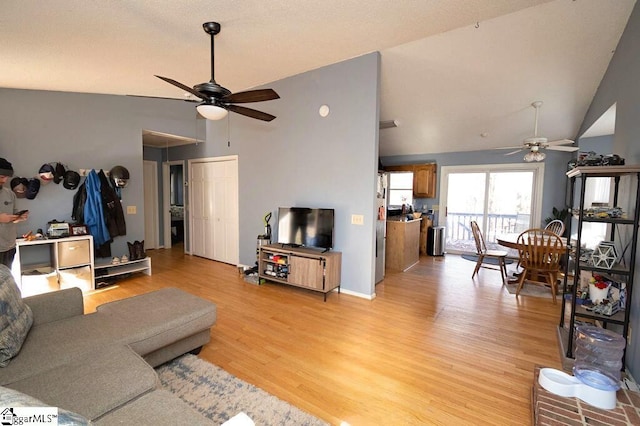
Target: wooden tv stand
point(301, 267)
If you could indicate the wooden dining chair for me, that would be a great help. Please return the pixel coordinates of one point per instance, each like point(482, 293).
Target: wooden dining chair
point(485, 256)
point(556, 226)
point(540, 253)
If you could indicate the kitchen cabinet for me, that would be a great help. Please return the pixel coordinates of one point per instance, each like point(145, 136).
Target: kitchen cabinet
point(424, 229)
point(424, 178)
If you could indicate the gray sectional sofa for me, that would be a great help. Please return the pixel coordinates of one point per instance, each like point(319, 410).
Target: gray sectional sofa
point(98, 366)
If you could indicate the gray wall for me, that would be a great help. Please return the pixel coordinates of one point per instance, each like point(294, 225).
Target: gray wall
point(302, 159)
point(83, 131)
point(620, 85)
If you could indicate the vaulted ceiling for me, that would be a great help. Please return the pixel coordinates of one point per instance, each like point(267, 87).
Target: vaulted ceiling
point(457, 75)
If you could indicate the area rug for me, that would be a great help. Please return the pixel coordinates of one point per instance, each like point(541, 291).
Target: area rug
point(529, 289)
point(219, 395)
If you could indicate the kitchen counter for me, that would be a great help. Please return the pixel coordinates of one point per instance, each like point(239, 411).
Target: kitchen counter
point(399, 219)
point(403, 243)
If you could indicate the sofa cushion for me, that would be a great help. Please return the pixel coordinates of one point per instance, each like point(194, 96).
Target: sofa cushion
point(13, 398)
point(16, 317)
point(159, 318)
point(147, 323)
point(95, 385)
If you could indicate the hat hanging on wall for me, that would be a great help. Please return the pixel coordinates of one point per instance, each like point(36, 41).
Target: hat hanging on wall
point(33, 186)
point(45, 174)
point(19, 186)
point(119, 175)
point(58, 174)
point(71, 179)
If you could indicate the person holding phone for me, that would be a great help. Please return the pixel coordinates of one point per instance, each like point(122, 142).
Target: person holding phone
point(8, 216)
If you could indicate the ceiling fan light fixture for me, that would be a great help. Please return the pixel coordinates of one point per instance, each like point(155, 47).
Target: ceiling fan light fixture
point(534, 156)
point(212, 112)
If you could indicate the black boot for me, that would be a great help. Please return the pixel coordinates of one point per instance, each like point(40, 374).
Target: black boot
point(132, 251)
point(140, 253)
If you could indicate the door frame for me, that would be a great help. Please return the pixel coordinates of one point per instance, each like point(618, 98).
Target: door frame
point(538, 183)
point(166, 201)
point(151, 203)
point(236, 208)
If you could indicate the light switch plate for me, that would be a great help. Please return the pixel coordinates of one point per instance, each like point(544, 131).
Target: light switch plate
point(131, 210)
point(357, 219)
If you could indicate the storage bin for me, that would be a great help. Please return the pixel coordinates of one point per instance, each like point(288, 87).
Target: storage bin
point(38, 282)
point(76, 277)
point(73, 253)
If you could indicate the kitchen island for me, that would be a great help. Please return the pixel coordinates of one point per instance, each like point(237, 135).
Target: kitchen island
point(403, 244)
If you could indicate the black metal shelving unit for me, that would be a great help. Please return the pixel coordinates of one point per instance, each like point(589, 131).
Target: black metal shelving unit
point(623, 273)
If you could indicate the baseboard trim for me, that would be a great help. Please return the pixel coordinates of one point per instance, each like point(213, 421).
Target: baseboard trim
point(356, 294)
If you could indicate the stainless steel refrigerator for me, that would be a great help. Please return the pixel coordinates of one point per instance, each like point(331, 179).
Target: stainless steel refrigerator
point(381, 224)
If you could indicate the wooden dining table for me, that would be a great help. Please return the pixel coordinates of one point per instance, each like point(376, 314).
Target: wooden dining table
point(510, 240)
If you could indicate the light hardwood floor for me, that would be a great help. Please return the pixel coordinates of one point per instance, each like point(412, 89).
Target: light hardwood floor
point(434, 347)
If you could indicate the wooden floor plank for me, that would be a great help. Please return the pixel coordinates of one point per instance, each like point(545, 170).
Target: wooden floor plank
point(434, 346)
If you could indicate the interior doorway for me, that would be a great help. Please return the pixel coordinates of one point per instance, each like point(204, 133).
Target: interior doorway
point(175, 224)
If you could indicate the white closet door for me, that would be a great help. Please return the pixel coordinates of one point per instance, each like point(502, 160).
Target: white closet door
point(214, 214)
point(201, 211)
point(225, 211)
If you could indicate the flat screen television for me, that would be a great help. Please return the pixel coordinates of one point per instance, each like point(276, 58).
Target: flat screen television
point(308, 227)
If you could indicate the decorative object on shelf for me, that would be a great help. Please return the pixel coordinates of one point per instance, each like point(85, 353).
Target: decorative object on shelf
point(77, 229)
point(604, 255)
point(585, 256)
point(590, 158)
point(602, 212)
point(598, 290)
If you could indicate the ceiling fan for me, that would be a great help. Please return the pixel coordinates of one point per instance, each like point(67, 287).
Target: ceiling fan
point(217, 101)
point(537, 143)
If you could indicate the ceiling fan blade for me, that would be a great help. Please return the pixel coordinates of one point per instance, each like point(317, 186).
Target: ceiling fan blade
point(514, 152)
point(258, 95)
point(563, 148)
point(512, 147)
point(250, 112)
point(560, 142)
point(184, 87)
point(160, 97)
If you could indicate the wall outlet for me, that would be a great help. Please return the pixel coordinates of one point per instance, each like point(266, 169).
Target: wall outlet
point(435, 207)
point(131, 210)
point(357, 219)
